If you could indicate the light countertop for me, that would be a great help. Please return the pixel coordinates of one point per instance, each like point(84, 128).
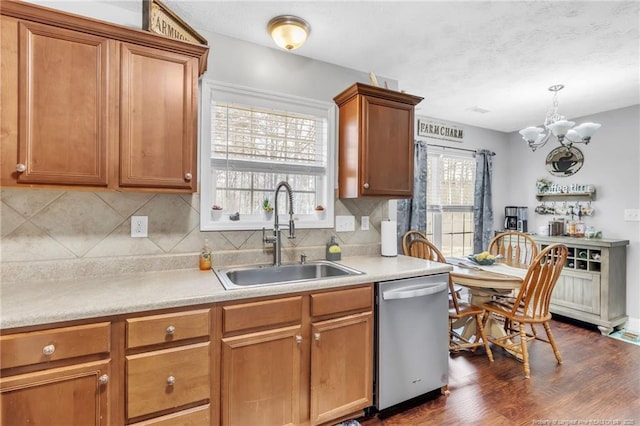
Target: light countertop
point(49, 302)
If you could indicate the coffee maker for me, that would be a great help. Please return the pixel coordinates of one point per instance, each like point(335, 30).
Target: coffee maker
point(522, 219)
point(511, 218)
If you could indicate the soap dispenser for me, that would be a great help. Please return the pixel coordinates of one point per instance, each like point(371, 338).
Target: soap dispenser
point(334, 252)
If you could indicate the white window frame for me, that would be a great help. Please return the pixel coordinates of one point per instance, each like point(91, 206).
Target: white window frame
point(438, 210)
point(230, 93)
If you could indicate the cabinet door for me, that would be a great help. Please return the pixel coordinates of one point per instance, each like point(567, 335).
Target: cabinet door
point(261, 378)
point(158, 118)
point(62, 102)
point(387, 148)
point(576, 291)
point(75, 396)
point(341, 366)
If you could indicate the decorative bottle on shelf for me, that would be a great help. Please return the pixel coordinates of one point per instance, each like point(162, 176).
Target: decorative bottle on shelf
point(205, 257)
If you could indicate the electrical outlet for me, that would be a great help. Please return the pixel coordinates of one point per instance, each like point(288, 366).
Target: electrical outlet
point(139, 226)
point(345, 223)
point(364, 223)
point(631, 215)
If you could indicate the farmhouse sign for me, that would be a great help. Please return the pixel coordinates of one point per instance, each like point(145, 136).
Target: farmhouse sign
point(159, 19)
point(434, 129)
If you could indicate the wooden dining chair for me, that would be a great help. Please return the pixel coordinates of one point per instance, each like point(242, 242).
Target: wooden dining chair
point(410, 236)
point(530, 306)
point(517, 248)
point(458, 309)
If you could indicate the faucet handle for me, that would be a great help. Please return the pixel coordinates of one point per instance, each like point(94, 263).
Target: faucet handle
point(303, 259)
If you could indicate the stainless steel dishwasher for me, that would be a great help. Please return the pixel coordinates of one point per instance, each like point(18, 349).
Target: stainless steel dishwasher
point(412, 354)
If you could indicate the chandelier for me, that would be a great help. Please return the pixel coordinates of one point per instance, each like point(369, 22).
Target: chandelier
point(562, 129)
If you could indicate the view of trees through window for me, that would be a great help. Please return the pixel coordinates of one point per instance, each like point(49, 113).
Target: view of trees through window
point(253, 149)
point(450, 193)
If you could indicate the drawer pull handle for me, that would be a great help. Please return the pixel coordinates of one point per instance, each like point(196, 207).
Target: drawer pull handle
point(298, 339)
point(316, 336)
point(104, 379)
point(171, 329)
point(48, 350)
point(171, 381)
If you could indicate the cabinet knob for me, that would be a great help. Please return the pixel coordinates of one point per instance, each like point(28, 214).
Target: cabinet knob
point(316, 336)
point(365, 186)
point(171, 329)
point(104, 379)
point(188, 176)
point(48, 350)
point(171, 381)
point(21, 168)
point(298, 339)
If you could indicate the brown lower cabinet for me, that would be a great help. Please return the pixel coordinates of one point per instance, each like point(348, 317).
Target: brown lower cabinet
point(303, 359)
point(52, 377)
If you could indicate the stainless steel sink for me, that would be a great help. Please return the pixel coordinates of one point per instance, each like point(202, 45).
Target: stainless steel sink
point(267, 275)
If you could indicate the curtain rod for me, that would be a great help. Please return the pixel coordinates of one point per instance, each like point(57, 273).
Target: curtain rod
point(475, 151)
point(451, 147)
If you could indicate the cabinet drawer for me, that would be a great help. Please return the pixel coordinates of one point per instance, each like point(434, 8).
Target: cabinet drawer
point(164, 328)
point(51, 345)
point(354, 299)
point(168, 378)
point(287, 310)
point(193, 417)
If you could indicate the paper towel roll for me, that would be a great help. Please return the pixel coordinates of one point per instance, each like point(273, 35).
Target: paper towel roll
point(388, 238)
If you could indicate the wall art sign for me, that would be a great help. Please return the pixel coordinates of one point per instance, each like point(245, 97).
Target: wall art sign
point(438, 130)
point(158, 18)
point(564, 161)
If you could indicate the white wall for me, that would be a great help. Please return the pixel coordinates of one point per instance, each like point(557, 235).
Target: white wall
point(611, 163)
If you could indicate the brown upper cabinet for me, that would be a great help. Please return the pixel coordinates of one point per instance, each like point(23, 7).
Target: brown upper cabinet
point(375, 142)
point(91, 104)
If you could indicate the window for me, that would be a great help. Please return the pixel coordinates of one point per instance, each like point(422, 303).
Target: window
point(250, 141)
point(450, 192)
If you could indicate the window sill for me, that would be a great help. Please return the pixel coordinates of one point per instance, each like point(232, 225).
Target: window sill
point(252, 223)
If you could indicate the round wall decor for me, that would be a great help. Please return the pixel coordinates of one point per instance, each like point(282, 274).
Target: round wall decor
point(564, 161)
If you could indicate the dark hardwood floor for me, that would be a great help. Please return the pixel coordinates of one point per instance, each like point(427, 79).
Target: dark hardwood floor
point(598, 383)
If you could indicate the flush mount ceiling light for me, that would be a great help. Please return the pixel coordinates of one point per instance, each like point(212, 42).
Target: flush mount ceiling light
point(556, 124)
point(289, 32)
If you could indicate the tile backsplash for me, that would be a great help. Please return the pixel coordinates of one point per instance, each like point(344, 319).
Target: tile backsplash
point(67, 234)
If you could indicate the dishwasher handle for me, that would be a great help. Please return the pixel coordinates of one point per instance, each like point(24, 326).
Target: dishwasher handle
point(416, 290)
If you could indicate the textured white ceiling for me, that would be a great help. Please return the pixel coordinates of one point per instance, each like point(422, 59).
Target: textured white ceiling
point(499, 56)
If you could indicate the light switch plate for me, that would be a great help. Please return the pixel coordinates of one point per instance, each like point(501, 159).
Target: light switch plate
point(139, 226)
point(345, 223)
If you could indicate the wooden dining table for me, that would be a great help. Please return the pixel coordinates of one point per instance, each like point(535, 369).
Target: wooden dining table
point(483, 285)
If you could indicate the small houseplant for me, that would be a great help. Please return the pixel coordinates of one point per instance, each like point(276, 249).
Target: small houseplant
point(319, 209)
point(216, 212)
point(267, 209)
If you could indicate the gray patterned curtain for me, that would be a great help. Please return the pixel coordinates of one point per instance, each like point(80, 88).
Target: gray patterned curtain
point(412, 213)
point(482, 206)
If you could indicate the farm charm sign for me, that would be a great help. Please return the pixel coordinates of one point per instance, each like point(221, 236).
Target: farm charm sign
point(159, 19)
point(434, 129)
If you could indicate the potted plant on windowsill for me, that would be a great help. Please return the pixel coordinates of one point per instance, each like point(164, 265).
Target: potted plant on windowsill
point(319, 210)
point(216, 212)
point(267, 209)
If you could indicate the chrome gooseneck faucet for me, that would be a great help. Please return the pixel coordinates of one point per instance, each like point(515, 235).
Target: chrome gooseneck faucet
point(275, 238)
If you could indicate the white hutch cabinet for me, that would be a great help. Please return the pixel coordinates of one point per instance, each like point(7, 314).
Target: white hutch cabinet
point(592, 287)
